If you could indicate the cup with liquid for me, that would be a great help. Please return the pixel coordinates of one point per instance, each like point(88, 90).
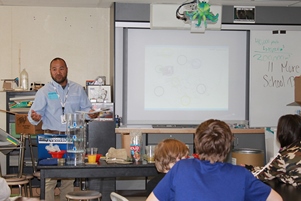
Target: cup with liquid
point(150, 153)
point(91, 154)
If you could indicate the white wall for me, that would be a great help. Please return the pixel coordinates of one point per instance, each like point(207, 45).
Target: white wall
point(31, 37)
point(3, 126)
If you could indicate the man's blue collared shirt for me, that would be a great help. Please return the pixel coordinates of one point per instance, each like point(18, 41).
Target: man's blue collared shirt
point(49, 100)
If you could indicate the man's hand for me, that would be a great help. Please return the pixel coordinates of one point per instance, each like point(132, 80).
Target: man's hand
point(35, 116)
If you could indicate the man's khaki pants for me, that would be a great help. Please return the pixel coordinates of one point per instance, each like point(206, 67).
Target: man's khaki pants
point(66, 187)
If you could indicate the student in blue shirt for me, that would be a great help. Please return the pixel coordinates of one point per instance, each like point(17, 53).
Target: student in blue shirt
point(58, 97)
point(208, 178)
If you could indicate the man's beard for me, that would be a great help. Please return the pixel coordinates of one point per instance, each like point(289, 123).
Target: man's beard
point(59, 80)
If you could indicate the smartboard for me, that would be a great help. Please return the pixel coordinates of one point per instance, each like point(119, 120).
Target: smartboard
point(275, 59)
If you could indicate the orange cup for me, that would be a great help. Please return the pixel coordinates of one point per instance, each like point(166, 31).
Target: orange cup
point(92, 158)
point(92, 153)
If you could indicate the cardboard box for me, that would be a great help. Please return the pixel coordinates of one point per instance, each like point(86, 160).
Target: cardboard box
point(24, 126)
point(298, 90)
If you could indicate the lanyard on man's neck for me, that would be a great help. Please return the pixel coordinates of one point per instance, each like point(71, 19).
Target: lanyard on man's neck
point(63, 102)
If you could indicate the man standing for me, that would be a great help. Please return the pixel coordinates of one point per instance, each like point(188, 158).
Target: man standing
point(52, 102)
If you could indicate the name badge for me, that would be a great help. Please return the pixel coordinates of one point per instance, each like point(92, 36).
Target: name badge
point(53, 96)
point(63, 119)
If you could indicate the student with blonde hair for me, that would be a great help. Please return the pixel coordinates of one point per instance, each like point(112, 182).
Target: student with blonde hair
point(167, 153)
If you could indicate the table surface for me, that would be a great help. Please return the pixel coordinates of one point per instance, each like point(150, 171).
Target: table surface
point(287, 192)
point(127, 130)
point(140, 169)
point(100, 170)
point(100, 165)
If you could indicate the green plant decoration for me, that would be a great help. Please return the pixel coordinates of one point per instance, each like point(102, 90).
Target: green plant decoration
point(202, 13)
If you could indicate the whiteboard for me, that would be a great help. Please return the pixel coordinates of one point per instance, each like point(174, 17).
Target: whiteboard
point(275, 59)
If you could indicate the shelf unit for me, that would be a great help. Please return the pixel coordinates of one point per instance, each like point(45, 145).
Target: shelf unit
point(12, 157)
point(100, 134)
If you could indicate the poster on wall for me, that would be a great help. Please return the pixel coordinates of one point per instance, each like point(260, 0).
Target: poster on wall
point(99, 94)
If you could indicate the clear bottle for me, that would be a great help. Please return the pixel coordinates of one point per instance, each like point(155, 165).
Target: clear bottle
point(135, 145)
point(24, 80)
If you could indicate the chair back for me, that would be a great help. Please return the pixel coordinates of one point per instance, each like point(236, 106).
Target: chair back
point(116, 197)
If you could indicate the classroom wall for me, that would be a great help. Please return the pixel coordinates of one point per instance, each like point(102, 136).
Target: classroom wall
point(266, 15)
point(31, 37)
point(3, 126)
point(266, 18)
point(83, 36)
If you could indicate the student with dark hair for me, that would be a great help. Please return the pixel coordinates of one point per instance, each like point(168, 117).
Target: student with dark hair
point(209, 178)
point(286, 166)
point(167, 153)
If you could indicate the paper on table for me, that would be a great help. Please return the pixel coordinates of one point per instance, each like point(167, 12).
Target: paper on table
point(84, 112)
point(119, 161)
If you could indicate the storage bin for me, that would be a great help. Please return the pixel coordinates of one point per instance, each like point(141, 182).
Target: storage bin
point(248, 156)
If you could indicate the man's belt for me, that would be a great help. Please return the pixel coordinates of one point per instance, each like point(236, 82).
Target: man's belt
point(54, 132)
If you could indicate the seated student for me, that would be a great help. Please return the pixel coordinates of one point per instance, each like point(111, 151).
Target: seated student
point(167, 153)
point(4, 190)
point(209, 178)
point(286, 166)
point(5, 193)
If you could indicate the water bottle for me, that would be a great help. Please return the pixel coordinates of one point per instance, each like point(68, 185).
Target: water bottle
point(24, 80)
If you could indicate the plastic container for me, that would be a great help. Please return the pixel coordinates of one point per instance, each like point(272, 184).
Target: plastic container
point(135, 146)
point(75, 138)
point(98, 157)
point(24, 85)
point(58, 154)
